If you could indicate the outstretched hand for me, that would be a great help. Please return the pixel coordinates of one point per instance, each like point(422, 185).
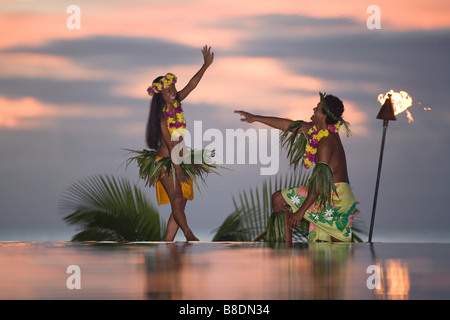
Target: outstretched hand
point(248, 117)
point(208, 56)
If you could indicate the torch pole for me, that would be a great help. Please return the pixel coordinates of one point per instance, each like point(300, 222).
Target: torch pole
point(380, 161)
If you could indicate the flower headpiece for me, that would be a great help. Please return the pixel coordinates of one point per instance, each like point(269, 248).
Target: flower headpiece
point(164, 83)
point(332, 116)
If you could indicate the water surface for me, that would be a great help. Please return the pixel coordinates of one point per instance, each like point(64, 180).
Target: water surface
point(224, 270)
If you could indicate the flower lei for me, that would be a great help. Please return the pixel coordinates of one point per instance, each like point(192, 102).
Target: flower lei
point(175, 121)
point(164, 83)
point(174, 118)
point(315, 135)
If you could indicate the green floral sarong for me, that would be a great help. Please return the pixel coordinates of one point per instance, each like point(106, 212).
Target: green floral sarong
point(326, 221)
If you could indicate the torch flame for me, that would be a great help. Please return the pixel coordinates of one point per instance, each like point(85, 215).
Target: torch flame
point(401, 101)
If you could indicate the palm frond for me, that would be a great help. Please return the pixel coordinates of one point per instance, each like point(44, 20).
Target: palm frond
point(253, 216)
point(109, 208)
point(321, 182)
point(295, 143)
point(253, 219)
point(195, 165)
point(275, 231)
point(231, 230)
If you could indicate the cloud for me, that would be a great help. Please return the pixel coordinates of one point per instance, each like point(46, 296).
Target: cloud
point(284, 26)
point(357, 65)
point(92, 70)
point(279, 47)
point(362, 54)
point(115, 52)
point(258, 80)
point(28, 113)
point(59, 92)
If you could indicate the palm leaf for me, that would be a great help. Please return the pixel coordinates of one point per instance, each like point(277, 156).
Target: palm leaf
point(195, 165)
point(231, 230)
point(251, 217)
point(295, 143)
point(109, 208)
point(321, 182)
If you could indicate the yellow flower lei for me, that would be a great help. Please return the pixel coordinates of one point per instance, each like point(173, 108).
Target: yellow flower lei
point(175, 121)
point(315, 135)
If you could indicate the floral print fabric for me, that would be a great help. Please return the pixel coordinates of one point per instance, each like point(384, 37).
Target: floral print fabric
point(334, 220)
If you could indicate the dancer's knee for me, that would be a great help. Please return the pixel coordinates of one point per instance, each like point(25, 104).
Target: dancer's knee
point(278, 201)
point(177, 200)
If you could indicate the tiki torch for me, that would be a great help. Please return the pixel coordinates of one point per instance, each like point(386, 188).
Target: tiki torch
point(386, 113)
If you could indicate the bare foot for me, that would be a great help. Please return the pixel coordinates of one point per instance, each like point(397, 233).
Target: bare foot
point(190, 236)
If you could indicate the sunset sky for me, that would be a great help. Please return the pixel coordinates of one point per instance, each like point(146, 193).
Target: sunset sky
point(72, 99)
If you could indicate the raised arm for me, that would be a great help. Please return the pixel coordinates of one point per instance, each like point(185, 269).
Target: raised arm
point(274, 122)
point(208, 58)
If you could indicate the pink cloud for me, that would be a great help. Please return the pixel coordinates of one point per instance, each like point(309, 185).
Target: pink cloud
point(29, 113)
point(33, 65)
point(233, 82)
point(14, 113)
point(199, 22)
point(248, 84)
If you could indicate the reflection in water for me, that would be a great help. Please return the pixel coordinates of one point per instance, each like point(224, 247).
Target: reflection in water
point(164, 268)
point(225, 271)
point(319, 273)
point(247, 271)
point(394, 280)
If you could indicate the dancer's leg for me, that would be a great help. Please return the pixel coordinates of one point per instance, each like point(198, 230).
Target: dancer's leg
point(172, 226)
point(178, 204)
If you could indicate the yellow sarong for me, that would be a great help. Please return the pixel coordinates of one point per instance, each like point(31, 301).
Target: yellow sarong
point(334, 220)
point(186, 187)
point(163, 198)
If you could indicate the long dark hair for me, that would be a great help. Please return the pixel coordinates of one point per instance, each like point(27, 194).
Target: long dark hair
point(153, 132)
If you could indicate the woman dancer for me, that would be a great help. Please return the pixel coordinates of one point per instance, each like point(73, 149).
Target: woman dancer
point(165, 129)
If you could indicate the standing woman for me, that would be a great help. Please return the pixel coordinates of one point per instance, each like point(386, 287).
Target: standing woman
point(165, 129)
